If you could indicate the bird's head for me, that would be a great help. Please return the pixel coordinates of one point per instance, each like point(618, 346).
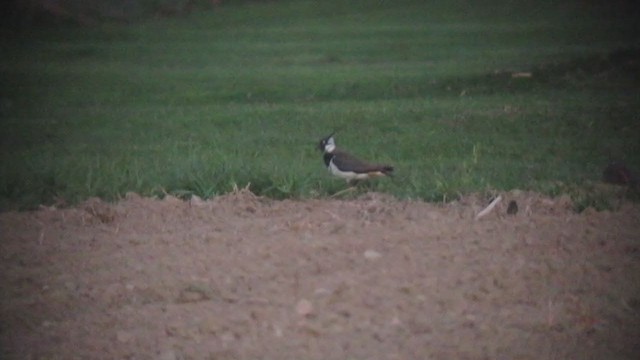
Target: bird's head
point(327, 144)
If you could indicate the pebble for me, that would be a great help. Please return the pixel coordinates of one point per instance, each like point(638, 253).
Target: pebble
point(372, 255)
point(123, 336)
point(304, 307)
point(321, 292)
point(197, 201)
point(168, 355)
point(277, 331)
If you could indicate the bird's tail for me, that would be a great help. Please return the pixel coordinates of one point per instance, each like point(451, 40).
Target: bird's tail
point(386, 169)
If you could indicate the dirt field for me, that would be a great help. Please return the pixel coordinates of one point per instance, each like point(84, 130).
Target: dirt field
point(241, 277)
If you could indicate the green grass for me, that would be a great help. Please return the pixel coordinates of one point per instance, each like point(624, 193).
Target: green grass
point(242, 94)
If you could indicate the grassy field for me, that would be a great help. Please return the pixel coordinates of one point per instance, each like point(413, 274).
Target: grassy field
point(239, 95)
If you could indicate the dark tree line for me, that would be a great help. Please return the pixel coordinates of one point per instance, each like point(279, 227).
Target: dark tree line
point(88, 12)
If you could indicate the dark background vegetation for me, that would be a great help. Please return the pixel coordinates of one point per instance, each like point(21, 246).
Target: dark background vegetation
point(40, 12)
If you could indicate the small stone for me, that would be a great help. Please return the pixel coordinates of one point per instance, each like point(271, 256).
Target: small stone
point(304, 307)
point(168, 355)
point(197, 201)
point(372, 255)
point(227, 337)
point(123, 336)
point(321, 292)
point(277, 331)
point(171, 199)
point(130, 287)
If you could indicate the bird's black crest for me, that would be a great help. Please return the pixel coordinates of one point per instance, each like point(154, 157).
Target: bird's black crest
point(323, 141)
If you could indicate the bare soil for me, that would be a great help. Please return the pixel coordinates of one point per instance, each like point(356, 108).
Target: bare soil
point(241, 277)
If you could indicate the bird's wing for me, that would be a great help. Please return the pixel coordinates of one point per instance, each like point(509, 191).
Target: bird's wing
point(347, 161)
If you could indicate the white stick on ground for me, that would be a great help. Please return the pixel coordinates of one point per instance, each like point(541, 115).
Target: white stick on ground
point(489, 207)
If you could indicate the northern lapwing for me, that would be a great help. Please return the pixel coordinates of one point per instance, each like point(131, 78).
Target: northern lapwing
point(348, 167)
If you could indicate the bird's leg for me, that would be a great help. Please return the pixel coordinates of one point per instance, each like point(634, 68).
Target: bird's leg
point(353, 185)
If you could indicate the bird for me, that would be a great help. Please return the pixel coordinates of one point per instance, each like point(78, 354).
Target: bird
point(347, 166)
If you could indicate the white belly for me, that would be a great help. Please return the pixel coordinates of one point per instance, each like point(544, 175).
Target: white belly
point(348, 175)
